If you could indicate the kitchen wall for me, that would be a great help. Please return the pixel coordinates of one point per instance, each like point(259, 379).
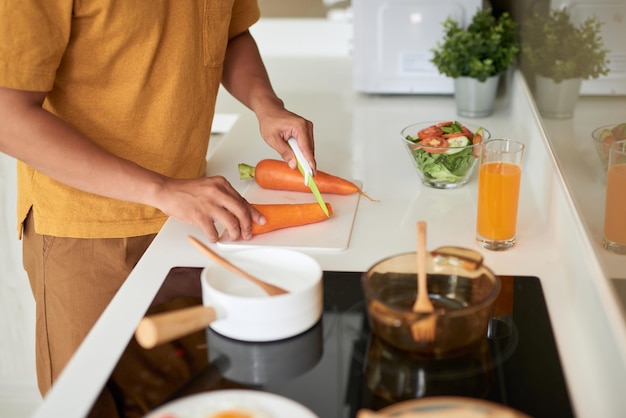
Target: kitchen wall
point(10, 257)
point(301, 8)
point(19, 395)
point(322, 8)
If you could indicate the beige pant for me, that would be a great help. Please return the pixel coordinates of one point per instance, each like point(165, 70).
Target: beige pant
point(72, 280)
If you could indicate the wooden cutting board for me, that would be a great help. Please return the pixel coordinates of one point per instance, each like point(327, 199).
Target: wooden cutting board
point(330, 235)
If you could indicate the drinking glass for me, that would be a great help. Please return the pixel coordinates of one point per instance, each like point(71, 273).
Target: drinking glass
point(614, 238)
point(499, 178)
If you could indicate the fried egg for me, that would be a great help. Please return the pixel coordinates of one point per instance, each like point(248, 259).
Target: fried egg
point(232, 414)
point(233, 408)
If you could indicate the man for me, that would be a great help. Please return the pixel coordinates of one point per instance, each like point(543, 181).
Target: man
point(107, 106)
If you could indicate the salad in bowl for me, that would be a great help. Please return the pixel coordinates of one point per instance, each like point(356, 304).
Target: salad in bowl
point(606, 135)
point(444, 153)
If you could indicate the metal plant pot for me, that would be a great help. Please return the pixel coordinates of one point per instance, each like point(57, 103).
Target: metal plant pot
point(556, 100)
point(474, 98)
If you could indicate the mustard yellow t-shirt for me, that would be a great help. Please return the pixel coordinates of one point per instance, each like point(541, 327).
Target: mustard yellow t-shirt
point(138, 77)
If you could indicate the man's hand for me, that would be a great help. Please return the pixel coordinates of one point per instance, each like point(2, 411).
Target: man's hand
point(278, 125)
point(204, 201)
point(246, 79)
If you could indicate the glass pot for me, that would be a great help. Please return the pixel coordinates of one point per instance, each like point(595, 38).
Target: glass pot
point(461, 288)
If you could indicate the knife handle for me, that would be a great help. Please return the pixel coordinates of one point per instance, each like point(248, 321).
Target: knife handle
point(293, 143)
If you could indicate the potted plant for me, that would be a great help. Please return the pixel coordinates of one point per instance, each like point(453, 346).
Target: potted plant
point(560, 54)
point(476, 57)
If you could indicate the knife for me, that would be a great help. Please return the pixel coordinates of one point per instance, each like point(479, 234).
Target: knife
point(307, 172)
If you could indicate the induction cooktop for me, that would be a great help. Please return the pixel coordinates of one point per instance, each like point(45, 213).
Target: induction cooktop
point(338, 366)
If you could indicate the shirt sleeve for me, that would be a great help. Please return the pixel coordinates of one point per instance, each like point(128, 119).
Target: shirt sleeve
point(33, 38)
point(245, 14)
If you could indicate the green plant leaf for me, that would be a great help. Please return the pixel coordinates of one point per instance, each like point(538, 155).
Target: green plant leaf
point(486, 48)
point(554, 47)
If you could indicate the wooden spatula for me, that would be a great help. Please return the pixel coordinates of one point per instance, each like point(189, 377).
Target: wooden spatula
point(269, 288)
point(424, 329)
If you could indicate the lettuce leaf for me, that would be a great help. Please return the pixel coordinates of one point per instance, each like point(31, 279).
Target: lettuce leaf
point(441, 166)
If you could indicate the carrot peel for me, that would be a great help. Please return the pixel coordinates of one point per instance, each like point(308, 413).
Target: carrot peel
point(277, 175)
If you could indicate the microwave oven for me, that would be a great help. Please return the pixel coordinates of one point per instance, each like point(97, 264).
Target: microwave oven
point(393, 42)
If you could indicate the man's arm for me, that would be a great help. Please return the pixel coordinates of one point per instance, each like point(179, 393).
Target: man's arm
point(48, 144)
point(246, 78)
point(41, 140)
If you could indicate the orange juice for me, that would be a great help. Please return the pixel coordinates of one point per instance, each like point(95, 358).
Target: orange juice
point(498, 196)
point(615, 212)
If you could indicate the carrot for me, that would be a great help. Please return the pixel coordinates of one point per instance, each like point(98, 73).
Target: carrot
point(285, 215)
point(276, 175)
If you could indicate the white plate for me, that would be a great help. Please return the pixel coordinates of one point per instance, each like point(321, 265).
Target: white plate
point(332, 234)
point(203, 405)
point(445, 407)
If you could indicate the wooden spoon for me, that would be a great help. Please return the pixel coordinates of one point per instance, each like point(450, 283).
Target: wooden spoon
point(424, 329)
point(269, 288)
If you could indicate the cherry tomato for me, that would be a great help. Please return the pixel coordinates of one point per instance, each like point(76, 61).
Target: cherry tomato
point(619, 131)
point(478, 138)
point(448, 123)
point(609, 139)
point(467, 132)
point(439, 144)
point(430, 132)
point(455, 135)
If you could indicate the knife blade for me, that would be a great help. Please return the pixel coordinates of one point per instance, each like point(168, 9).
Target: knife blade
point(307, 172)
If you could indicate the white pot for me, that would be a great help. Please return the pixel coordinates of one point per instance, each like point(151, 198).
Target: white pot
point(245, 312)
point(237, 308)
point(556, 100)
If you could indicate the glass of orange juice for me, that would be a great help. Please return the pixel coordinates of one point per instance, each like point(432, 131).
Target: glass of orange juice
point(499, 178)
point(614, 238)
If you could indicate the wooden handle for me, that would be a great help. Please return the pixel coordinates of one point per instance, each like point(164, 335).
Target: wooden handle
point(269, 288)
point(167, 326)
point(368, 413)
point(470, 260)
point(422, 258)
point(422, 301)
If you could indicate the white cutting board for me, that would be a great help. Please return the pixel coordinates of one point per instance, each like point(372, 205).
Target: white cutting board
point(332, 234)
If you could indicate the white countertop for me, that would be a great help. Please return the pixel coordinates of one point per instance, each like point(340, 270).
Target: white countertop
point(357, 137)
point(579, 162)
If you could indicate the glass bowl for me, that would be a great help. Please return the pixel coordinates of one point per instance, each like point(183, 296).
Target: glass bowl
point(448, 166)
point(462, 290)
point(604, 136)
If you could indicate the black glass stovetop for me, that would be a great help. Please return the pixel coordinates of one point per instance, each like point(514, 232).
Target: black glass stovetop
point(338, 366)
